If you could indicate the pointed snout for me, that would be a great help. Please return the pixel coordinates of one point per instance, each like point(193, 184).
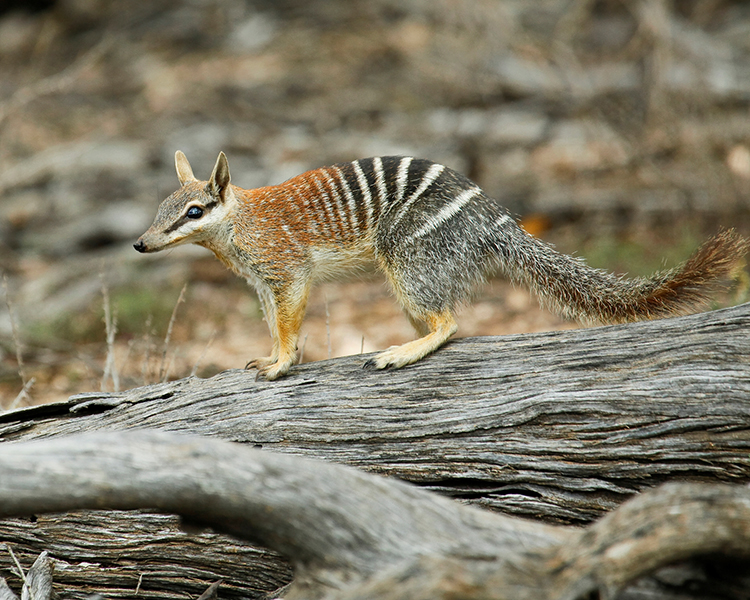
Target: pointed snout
point(153, 241)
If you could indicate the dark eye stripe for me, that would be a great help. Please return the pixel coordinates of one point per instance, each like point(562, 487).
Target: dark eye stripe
point(181, 221)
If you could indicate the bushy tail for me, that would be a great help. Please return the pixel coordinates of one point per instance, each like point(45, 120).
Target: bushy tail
point(573, 289)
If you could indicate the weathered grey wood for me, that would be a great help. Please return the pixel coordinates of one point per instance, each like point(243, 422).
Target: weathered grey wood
point(351, 535)
point(562, 426)
point(116, 552)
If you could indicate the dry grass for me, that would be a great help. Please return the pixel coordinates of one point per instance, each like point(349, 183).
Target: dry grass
point(23, 396)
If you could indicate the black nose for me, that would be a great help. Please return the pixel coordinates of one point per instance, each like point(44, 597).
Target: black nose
point(140, 246)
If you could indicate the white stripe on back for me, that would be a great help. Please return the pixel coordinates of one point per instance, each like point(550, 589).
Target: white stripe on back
point(349, 199)
point(365, 189)
point(344, 215)
point(380, 180)
point(503, 219)
point(445, 213)
point(332, 219)
point(427, 180)
point(401, 177)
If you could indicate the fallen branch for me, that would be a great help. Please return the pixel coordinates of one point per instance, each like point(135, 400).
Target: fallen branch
point(354, 535)
point(561, 427)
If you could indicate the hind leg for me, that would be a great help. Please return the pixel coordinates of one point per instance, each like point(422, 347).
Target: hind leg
point(441, 326)
point(419, 325)
point(431, 315)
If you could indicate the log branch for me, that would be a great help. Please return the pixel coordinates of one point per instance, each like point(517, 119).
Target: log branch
point(561, 427)
point(352, 535)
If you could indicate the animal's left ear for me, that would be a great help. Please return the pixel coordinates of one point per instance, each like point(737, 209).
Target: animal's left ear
point(219, 181)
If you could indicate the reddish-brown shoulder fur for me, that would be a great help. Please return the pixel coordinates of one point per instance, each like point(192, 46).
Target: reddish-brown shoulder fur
point(309, 209)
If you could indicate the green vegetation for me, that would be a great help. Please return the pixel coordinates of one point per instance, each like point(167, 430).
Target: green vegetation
point(138, 312)
point(639, 257)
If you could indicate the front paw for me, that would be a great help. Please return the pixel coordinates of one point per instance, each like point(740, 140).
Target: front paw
point(273, 371)
point(389, 358)
point(260, 363)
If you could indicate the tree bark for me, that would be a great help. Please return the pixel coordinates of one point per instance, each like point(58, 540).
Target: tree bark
point(561, 427)
point(351, 535)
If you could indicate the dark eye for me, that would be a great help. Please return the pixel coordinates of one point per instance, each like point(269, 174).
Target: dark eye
point(194, 212)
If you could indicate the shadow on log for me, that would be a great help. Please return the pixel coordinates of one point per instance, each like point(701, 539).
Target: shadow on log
point(561, 427)
point(351, 535)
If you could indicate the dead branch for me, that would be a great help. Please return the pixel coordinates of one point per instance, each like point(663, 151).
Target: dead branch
point(354, 535)
point(561, 426)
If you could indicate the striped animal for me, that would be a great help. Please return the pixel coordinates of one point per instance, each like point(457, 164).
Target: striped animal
point(433, 233)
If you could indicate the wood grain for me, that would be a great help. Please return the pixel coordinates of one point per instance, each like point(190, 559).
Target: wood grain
point(351, 535)
point(560, 426)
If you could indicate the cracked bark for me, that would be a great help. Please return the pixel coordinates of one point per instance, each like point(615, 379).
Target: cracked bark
point(561, 427)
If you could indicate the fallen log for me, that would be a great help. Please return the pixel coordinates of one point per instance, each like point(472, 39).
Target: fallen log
point(561, 427)
point(354, 536)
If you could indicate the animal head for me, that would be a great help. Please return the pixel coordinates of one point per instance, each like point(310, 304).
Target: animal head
point(195, 213)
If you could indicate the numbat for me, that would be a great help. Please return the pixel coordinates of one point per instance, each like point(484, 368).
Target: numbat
point(433, 233)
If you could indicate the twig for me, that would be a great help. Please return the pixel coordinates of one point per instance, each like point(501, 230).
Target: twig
point(91, 366)
point(110, 325)
point(169, 365)
point(328, 327)
point(163, 368)
point(212, 591)
point(25, 385)
point(18, 564)
point(23, 394)
point(203, 354)
point(147, 351)
point(302, 349)
point(14, 331)
point(125, 360)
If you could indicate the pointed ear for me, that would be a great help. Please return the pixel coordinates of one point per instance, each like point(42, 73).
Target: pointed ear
point(184, 171)
point(220, 177)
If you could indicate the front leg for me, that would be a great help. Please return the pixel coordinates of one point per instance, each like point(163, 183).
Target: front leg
point(288, 309)
point(269, 313)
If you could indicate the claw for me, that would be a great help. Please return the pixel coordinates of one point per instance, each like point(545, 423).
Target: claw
point(260, 363)
point(273, 371)
point(380, 361)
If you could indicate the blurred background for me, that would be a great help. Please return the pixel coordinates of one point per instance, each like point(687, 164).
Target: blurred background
point(617, 129)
